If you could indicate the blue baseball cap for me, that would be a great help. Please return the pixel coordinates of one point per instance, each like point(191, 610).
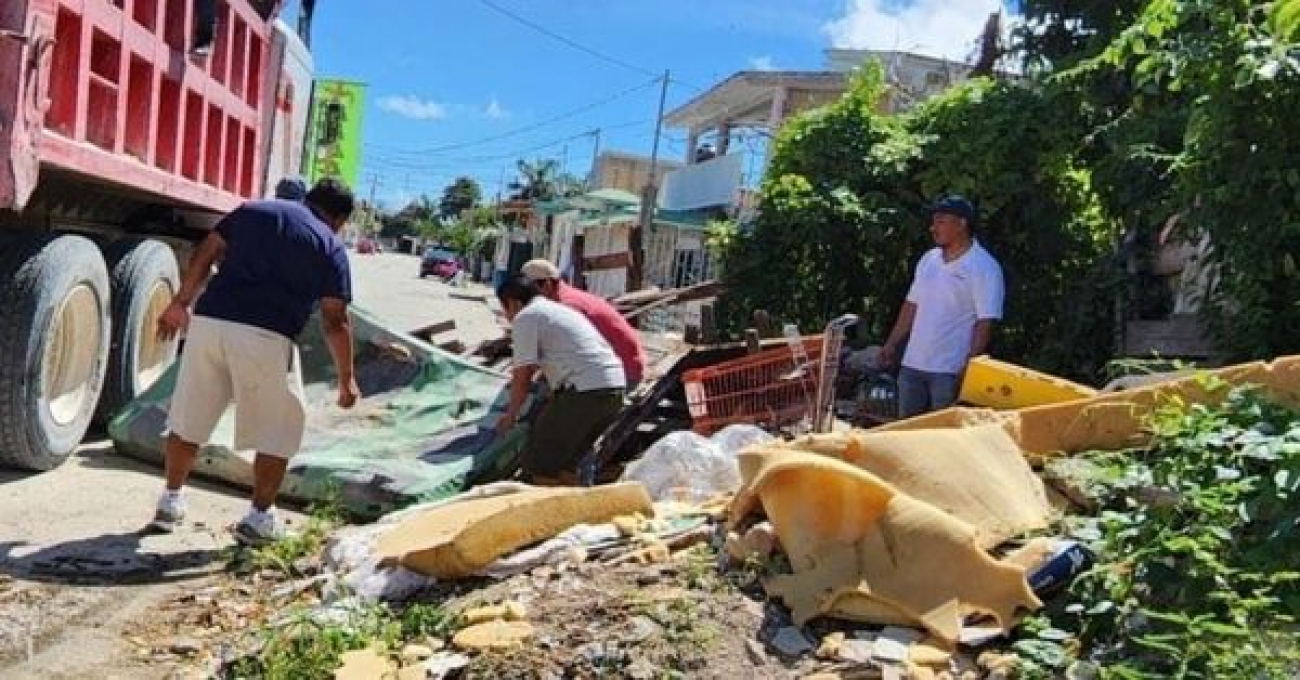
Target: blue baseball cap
point(957, 206)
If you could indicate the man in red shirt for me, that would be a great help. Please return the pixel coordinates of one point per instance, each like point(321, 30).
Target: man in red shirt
point(612, 326)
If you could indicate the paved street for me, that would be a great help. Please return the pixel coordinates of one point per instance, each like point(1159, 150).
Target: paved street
point(78, 523)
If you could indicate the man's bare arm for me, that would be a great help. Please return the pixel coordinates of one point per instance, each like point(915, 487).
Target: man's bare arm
point(902, 328)
point(981, 334)
point(521, 380)
point(176, 317)
point(337, 327)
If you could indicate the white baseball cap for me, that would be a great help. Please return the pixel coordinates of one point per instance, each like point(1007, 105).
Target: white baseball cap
point(539, 270)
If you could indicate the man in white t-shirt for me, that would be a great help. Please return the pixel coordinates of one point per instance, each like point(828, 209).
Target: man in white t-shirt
point(585, 375)
point(955, 297)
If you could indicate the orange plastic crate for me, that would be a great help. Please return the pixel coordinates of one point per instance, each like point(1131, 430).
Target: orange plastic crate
point(763, 389)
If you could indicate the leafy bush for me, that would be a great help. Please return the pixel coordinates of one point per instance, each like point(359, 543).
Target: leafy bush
point(844, 217)
point(1201, 581)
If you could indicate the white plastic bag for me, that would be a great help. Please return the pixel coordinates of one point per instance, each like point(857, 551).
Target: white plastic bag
point(684, 466)
point(733, 439)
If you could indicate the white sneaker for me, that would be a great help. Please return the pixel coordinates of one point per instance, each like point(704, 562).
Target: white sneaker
point(259, 528)
point(170, 512)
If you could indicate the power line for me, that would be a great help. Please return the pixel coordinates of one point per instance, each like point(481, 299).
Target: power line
point(529, 128)
point(567, 41)
point(397, 162)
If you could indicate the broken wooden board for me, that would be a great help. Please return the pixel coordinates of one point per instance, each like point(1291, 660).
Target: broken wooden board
point(461, 539)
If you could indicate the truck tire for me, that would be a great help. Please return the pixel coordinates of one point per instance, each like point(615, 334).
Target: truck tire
point(54, 335)
point(144, 276)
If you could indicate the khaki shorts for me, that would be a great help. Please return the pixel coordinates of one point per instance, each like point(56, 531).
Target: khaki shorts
point(259, 370)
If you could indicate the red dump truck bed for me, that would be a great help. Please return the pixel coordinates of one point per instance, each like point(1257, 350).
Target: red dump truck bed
point(114, 91)
point(126, 128)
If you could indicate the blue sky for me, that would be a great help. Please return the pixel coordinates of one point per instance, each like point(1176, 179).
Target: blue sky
point(455, 73)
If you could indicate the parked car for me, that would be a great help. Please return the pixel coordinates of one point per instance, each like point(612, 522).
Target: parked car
point(439, 262)
point(368, 246)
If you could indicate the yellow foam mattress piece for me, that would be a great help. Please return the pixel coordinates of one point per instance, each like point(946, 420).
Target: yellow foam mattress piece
point(862, 550)
point(1000, 385)
point(977, 474)
point(1116, 420)
point(461, 539)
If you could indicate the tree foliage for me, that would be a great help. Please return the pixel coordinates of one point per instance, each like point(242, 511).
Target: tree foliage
point(1223, 80)
point(462, 194)
point(845, 216)
point(1132, 113)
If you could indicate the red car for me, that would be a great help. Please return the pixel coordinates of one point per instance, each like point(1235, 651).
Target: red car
point(439, 262)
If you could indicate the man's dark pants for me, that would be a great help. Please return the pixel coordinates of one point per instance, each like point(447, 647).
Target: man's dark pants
point(566, 428)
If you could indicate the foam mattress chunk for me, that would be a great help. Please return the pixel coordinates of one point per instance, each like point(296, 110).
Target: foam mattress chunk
point(977, 474)
point(862, 550)
point(460, 539)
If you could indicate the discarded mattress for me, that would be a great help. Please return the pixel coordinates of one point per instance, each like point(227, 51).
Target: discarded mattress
point(976, 475)
point(1112, 421)
point(422, 431)
point(862, 550)
point(461, 539)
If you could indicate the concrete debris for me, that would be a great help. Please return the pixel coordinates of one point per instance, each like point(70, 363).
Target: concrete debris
point(829, 649)
point(461, 539)
point(757, 543)
point(644, 628)
point(790, 642)
point(641, 670)
point(509, 611)
point(444, 664)
point(365, 664)
point(655, 553)
point(412, 653)
point(890, 651)
point(865, 551)
point(493, 635)
point(857, 651)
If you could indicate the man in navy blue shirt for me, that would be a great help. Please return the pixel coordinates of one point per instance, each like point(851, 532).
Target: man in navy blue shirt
point(277, 259)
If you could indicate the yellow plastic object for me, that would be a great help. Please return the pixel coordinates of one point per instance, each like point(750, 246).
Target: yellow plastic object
point(996, 384)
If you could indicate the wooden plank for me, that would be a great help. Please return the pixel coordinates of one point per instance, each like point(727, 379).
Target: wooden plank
point(1178, 336)
point(607, 262)
point(426, 333)
point(708, 325)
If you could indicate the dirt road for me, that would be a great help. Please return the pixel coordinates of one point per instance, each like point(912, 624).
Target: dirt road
point(74, 571)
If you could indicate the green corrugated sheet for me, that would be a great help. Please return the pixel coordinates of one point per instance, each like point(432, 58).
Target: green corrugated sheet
point(423, 431)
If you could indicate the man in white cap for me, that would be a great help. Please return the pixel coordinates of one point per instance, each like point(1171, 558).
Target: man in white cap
point(612, 326)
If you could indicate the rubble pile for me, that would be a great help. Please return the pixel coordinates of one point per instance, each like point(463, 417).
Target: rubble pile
point(943, 550)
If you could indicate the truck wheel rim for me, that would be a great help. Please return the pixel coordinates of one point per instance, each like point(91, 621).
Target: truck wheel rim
point(71, 352)
point(153, 355)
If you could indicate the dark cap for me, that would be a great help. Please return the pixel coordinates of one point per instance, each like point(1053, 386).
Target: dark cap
point(957, 206)
point(291, 189)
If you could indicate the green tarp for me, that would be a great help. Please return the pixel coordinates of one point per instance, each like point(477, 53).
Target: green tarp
point(423, 430)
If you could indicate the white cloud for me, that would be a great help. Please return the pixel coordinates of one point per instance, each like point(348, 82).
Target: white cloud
point(495, 110)
point(763, 63)
point(939, 28)
point(411, 106)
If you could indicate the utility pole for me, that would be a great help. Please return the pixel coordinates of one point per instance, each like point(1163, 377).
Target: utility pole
point(636, 239)
point(374, 186)
point(595, 158)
